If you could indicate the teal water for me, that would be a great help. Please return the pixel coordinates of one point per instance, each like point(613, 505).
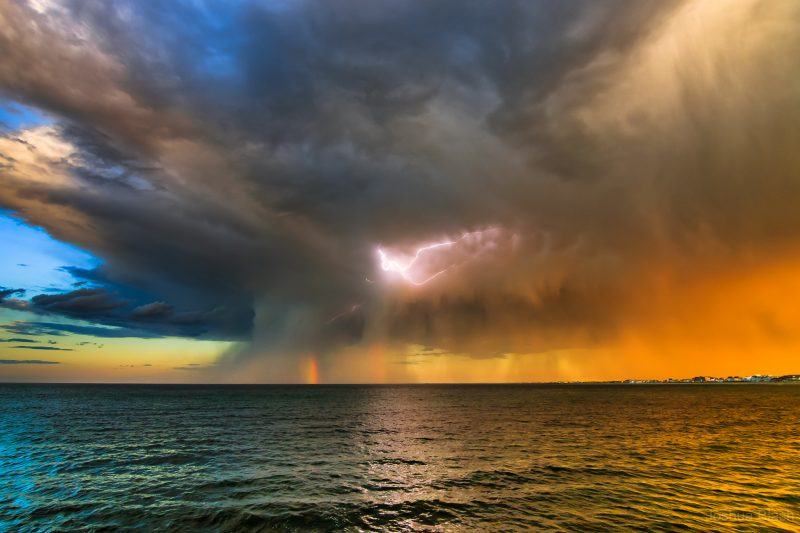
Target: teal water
point(394, 458)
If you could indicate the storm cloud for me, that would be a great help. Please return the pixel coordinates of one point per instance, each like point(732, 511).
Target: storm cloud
point(237, 165)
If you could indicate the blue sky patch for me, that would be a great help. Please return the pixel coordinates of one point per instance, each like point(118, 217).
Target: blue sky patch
point(34, 261)
point(16, 116)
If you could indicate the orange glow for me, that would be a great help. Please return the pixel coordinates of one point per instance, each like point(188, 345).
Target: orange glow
point(312, 371)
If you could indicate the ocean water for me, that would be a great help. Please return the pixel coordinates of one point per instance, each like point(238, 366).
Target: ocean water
point(395, 458)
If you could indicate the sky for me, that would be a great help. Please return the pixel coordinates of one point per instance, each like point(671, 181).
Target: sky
point(353, 191)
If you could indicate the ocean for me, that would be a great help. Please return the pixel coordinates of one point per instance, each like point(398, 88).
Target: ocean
point(713, 457)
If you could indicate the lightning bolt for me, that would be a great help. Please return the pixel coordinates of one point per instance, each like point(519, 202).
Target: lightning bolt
point(350, 311)
point(403, 267)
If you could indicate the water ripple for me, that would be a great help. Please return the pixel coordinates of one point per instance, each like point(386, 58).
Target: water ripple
point(400, 458)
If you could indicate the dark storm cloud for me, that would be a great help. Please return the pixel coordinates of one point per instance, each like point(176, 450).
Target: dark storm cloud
point(126, 317)
point(132, 311)
point(80, 303)
point(236, 164)
point(153, 310)
point(6, 293)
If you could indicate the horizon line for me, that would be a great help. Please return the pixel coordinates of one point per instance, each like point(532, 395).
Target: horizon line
point(426, 383)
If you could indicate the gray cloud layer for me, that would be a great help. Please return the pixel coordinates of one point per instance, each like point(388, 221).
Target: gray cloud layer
point(239, 163)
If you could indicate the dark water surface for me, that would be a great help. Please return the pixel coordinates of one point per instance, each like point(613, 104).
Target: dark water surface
point(241, 458)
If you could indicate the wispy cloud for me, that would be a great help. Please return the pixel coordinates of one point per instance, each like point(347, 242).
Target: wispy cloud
point(60, 329)
point(44, 348)
point(191, 366)
point(27, 362)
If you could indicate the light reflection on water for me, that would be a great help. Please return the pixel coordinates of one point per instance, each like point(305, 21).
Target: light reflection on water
point(720, 457)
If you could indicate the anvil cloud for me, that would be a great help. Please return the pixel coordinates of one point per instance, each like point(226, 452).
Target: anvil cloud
point(236, 165)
